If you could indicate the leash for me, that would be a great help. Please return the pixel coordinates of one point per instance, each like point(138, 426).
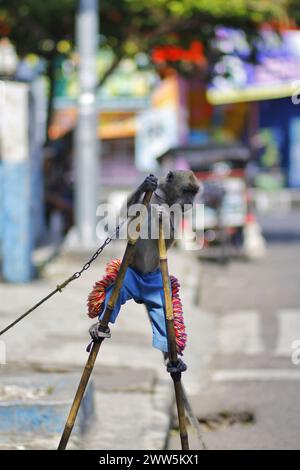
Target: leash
point(63, 285)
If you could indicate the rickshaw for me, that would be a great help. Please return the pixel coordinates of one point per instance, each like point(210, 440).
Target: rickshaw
point(227, 209)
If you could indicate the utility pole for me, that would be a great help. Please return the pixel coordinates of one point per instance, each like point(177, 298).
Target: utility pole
point(87, 149)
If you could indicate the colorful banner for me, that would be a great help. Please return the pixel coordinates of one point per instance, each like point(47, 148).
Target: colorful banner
point(266, 69)
point(164, 125)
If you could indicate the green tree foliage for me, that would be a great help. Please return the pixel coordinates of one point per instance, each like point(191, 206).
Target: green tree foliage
point(35, 26)
point(128, 25)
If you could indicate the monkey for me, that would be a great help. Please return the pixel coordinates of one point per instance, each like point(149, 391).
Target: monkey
point(143, 281)
point(178, 187)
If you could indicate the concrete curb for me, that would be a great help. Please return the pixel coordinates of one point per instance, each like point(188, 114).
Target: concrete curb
point(39, 404)
point(133, 395)
point(163, 400)
point(140, 421)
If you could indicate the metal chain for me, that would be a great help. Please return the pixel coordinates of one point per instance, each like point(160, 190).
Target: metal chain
point(87, 265)
point(60, 287)
point(77, 275)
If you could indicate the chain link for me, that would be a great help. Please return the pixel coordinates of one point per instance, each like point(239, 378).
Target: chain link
point(87, 265)
point(106, 242)
point(76, 275)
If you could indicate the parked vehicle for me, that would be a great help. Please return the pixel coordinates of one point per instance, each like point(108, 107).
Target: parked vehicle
point(227, 207)
point(228, 225)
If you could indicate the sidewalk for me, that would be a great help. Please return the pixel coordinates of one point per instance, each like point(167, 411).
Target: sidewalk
point(133, 395)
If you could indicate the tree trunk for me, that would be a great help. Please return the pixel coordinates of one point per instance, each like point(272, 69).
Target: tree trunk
point(51, 76)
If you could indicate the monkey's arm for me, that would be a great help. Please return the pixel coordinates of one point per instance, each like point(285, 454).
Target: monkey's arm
point(149, 184)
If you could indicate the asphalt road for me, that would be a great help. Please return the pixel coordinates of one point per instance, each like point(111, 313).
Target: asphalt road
point(250, 396)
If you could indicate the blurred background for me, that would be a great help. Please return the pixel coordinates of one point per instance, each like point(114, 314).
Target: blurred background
point(93, 97)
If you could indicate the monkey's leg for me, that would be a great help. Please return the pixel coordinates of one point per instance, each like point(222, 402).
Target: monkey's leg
point(174, 361)
point(103, 326)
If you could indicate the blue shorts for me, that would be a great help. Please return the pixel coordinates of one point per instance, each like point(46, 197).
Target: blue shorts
point(146, 289)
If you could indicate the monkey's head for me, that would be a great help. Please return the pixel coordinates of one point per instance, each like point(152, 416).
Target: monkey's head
point(179, 187)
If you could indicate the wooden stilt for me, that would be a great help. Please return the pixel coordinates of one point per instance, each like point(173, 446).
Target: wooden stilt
point(96, 345)
point(172, 338)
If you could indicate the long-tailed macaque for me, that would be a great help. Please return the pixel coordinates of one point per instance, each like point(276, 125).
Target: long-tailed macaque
point(178, 187)
point(143, 281)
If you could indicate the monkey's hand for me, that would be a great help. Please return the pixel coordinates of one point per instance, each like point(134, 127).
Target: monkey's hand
point(97, 332)
point(175, 368)
point(149, 184)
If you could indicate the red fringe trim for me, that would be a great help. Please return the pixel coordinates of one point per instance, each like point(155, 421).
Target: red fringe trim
point(179, 326)
point(97, 296)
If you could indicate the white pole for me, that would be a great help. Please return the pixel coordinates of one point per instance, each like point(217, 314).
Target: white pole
point(87, 155)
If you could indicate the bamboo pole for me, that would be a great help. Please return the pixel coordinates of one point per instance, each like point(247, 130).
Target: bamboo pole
point(172, 338)
point(96, 345)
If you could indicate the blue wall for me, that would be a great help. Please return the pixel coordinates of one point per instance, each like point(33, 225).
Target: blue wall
point(21, 195)
point(17, 243)
point(280, 115)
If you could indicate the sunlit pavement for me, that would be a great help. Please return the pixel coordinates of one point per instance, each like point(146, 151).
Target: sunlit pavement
point(250, 398)
point(241, 321)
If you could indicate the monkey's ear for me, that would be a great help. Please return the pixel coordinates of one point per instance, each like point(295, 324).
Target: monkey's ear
point(170, 177)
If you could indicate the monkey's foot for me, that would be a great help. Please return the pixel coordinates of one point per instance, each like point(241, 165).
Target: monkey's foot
point(176, 367)
point(97, 332)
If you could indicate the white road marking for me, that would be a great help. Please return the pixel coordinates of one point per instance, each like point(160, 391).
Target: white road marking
point(288, 331)
point(230, 375)
point(240, 332)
